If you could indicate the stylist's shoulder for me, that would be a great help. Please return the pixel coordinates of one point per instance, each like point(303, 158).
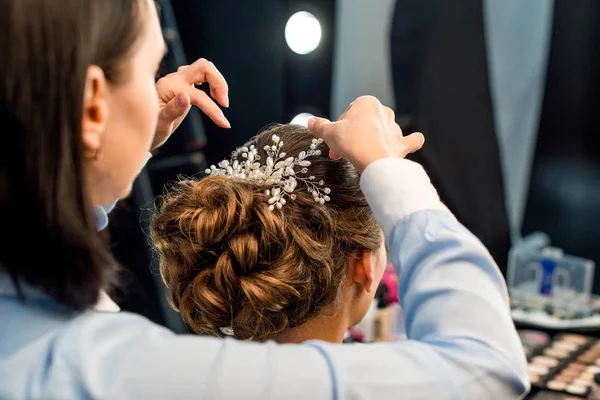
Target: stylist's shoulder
point(116, 355)
point(125, 356)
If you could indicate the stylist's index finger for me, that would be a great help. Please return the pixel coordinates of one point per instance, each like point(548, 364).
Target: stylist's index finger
point(205, 71)
point(209, 107)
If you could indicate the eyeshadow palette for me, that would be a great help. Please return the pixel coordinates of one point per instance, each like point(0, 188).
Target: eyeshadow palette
point(547, 395)
point(533, 341)
point(566, 365)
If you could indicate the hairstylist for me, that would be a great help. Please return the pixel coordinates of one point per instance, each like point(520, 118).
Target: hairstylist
point(78, 110)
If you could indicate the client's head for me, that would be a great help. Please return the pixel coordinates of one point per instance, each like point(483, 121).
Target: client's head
point(238, 261)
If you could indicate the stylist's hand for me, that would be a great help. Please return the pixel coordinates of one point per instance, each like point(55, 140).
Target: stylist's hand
point(366, 132)
point(177, 94)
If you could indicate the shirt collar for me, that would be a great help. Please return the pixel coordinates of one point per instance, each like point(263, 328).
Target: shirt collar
point(102, 215)
point(101, 218)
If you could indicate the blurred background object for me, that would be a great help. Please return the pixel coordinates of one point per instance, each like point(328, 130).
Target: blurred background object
point(506, 93)
point(564, 193)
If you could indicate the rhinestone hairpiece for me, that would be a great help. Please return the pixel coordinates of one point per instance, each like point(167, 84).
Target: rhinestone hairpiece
point(280, 172)
point(227, 331)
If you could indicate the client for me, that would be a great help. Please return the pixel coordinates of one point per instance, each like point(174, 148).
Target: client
point(277, 243)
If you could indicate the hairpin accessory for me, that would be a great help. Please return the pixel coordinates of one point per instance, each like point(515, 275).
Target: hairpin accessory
point(280, 173)
point(227, 331)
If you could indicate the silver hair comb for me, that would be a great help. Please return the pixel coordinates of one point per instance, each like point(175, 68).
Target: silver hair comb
point(280, 173)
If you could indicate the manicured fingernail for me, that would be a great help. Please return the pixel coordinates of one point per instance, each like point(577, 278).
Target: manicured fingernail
point(225, 120)
point(181, 103)
point(226, 100)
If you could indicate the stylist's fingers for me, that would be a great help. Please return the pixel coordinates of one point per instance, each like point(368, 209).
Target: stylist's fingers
point(204, 71)
point(320, 127)
point(176, 108)
point(323, 128)
point(208, 106)
point(334, 156)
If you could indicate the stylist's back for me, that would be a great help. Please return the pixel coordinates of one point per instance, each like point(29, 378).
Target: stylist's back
point(78, 110)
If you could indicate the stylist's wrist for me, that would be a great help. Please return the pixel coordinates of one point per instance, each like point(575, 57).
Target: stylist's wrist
point(362, 161)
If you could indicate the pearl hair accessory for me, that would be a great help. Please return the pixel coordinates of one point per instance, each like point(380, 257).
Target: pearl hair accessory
point(280, 173)
point(227, 331)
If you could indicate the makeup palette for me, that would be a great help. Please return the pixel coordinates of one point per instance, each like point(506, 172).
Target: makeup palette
point(533, 341)
point(547, 395)
point(566, 365)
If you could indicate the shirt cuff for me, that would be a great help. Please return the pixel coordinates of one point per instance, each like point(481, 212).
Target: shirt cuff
point(396, 188)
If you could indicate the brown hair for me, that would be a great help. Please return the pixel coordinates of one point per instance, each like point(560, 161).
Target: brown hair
point(229, 261)
point(50, 239)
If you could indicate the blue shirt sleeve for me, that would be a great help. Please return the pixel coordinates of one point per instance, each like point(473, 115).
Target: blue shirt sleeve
point(462, 343)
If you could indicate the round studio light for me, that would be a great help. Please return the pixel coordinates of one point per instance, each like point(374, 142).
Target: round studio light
point(303, 32)
point(301, 119)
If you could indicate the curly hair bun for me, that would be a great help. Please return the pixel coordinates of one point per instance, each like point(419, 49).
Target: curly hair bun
point(230, 262)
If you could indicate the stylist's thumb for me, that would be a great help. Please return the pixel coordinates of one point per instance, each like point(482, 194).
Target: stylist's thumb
point(176, 108)
point(319, 127)
point(325, 129)
point(413, 142)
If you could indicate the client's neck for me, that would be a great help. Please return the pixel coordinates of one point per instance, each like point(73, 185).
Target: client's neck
point(325, 328)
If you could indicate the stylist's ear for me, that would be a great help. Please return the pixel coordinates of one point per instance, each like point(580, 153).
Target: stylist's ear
point(363, 271)
point(95, 112)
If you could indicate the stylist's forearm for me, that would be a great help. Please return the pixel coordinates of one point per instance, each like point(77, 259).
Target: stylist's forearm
point(453, 294)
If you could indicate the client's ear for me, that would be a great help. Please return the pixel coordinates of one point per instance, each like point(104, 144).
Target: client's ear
point(95, 111)
point(362, 269)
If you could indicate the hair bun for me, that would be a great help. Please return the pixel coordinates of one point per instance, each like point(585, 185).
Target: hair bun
point(229, 261)
point(244, 250)
point(209, 234)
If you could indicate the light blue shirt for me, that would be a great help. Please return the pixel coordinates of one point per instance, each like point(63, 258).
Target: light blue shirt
point(462, 343)
point(102, 215)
